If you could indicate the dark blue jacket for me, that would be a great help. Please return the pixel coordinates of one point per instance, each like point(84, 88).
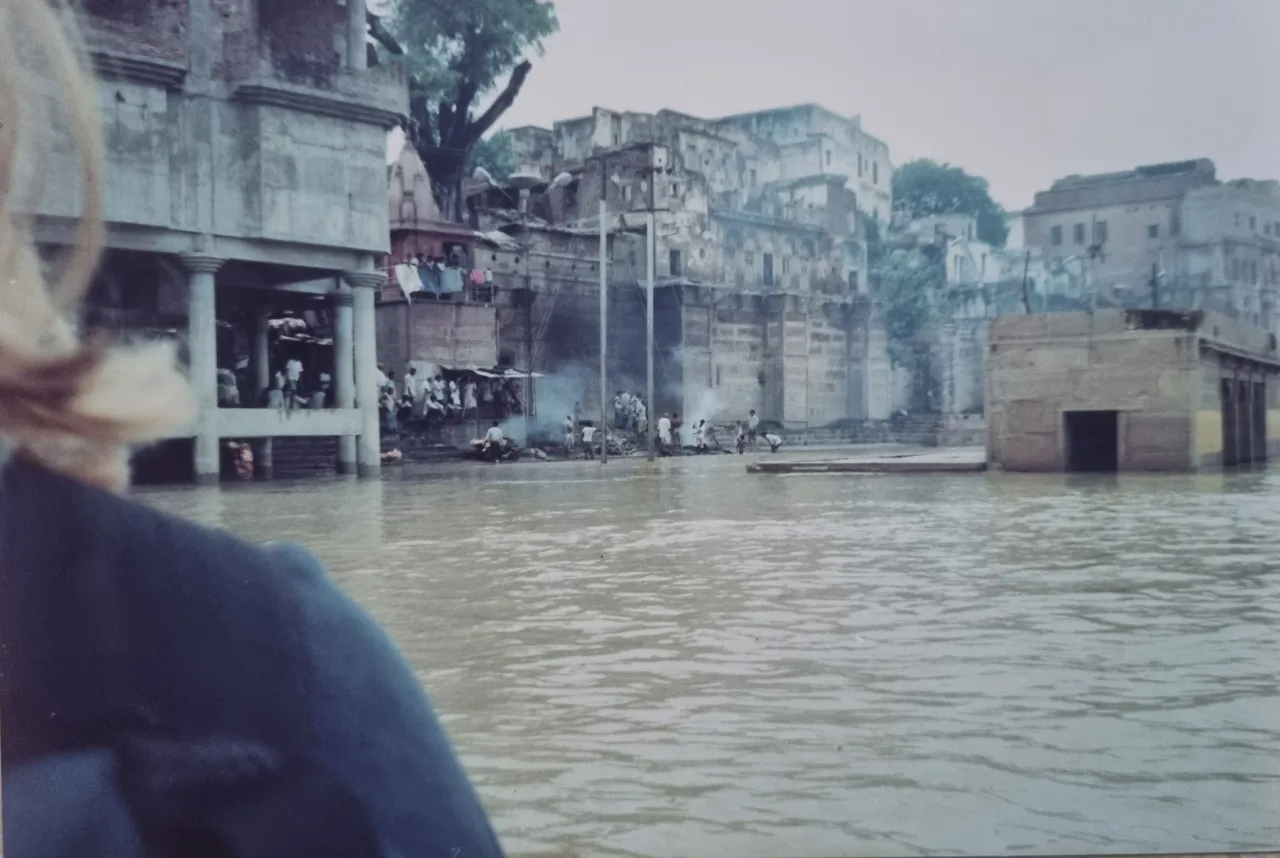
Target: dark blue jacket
point(181, 673)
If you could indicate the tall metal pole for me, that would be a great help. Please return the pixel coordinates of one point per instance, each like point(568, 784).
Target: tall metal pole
point(652, 242)
point(604, 321)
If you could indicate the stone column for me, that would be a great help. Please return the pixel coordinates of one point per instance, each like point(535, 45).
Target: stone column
point(260, 359)
point(357, 27)
point(202, 346)
point(364, 336)
point(344, 364)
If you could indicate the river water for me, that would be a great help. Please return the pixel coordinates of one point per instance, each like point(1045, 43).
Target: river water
point(687, 661)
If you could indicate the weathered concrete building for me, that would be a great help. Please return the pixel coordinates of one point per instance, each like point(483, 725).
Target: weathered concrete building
point(245, 167)
point(1168, 235)
point(763, 297)
point(1130, 390)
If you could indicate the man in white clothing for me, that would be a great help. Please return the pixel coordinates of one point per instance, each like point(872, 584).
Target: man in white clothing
point(664, 435)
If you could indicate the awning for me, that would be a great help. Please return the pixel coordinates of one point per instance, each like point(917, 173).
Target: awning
point(492, 373)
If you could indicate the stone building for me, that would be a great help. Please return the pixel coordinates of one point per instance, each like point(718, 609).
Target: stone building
point(245, 168)
point(1130, 390)
point(1168, 235)
point(762, 293)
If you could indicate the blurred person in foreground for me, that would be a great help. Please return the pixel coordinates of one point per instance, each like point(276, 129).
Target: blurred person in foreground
point(167, 690)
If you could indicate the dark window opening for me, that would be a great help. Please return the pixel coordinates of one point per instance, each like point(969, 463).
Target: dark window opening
point(768, 269)
point(1093, 441)
point(1259, 421)
point(1153, 231)
point(1055, 235)
point(1099, 231)
point(673, 263)
point(1230, 436)
point(875, 172)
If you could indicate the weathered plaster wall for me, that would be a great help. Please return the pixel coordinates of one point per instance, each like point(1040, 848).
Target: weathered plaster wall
point(440, 332)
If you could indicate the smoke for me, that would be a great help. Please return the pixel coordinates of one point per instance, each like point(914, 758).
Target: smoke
point(558, 392)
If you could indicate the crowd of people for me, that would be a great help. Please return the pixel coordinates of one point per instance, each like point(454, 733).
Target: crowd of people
point(422, 401)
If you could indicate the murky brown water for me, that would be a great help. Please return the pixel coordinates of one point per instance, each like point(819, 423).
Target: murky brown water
point(692, 661)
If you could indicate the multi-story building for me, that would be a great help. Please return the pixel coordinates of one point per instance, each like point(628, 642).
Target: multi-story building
point(761, 264)
point(1169, 234)
point(245, 170)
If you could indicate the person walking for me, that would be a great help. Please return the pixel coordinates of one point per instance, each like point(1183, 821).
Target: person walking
point(753, 428)
point(568, 436)
point(169, 689)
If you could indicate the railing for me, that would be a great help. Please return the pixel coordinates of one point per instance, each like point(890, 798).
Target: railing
point(158, 35)
point(310, 83)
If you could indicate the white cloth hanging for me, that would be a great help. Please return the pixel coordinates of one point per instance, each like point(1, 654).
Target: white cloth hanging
point(408, 280)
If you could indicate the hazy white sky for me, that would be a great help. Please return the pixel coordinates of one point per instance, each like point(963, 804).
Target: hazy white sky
point(1020, 91)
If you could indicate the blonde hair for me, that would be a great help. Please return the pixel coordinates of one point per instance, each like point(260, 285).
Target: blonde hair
point(70, 404)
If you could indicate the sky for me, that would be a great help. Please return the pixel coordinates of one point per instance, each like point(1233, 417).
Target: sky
point(1018, 91)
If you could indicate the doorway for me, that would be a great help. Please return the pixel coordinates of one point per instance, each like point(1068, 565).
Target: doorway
point(1093, 441)
point(1230, 436)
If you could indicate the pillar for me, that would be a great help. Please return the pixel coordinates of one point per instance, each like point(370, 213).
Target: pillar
point(364, 284)
point(260, 380)
point(202, 366)
point(344, 364)
point(357, 27)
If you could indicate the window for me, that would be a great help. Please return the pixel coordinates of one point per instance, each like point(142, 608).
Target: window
point(786, 264)
point(853, 280)
point(768, 269)
point(1099, 231)
point(675, 189)
point(749, 257)
point(673, 263)
point(616, 138)
point(828, 159)
point(1153, 231)
point(875, 173)
point(1077, 233)
point(859, 165)
point(1266, 229)
point(1055, 235)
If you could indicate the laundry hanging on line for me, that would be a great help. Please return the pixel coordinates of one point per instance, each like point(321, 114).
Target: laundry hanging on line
point(407, 279)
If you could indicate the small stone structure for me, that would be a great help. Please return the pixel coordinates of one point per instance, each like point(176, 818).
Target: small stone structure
point(1130, 390)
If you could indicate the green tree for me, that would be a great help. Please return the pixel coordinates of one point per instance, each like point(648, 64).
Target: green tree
point(495, 154)
point(907, 280)
point(458, 53)
point(925, 187)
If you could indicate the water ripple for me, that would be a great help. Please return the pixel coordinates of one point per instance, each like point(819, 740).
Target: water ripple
point(685, 660)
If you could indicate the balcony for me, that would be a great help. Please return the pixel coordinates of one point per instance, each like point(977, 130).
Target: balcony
point(378, 96)
point(137, 40)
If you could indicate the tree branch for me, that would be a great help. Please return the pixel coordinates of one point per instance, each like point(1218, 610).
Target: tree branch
point(503, 102)
point(383, 36)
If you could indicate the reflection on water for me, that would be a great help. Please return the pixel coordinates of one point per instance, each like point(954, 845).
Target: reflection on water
point(686, 660)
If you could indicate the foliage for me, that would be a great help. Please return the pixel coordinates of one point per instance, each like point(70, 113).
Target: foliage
point(457, 53)
point(875, 242)
point(907, 280)
point(924, 187)
point(495, 154)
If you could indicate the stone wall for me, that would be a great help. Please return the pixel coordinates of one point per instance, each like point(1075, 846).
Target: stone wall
point(236, 149)
point(1041, 366)
point(440, 332)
